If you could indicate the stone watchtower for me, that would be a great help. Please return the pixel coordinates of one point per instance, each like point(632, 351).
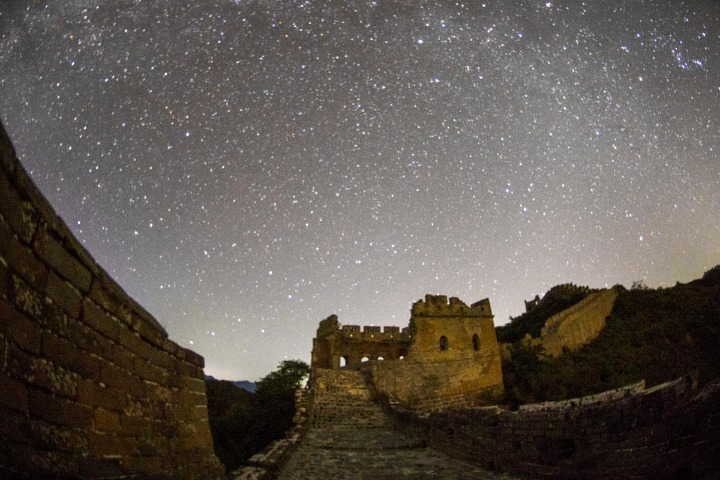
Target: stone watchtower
point(447, 357)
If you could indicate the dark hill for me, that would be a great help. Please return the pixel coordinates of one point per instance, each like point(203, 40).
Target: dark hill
point(655, 335)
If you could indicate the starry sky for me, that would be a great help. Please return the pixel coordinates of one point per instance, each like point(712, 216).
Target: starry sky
point(245, 168)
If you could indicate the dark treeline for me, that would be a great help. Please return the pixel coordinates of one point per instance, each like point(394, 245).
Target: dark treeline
point(243, 423)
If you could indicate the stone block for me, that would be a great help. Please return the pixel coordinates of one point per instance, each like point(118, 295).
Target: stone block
point(63, 294)
point(41, 372)
point(4, 278)
point(100, 320)
point(134, 343)
point(68, 356)
point(116, 377)
point(21, 259)
point(19, 329)
point(150, 372)
point(95, 467)
point(19, 214)
point(56, 320)
point(106, 421)
point(94, 395)
point(119, 356)
point(59, 410)
point(192, 384)
point(109, 444)
point(86, 338)
point(194, 358)
point(26, 299)
point(143, 465)
point(14, 394)
point(56, 438)
point(54, 253)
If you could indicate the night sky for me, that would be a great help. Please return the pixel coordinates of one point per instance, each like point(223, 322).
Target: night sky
point(246, 168)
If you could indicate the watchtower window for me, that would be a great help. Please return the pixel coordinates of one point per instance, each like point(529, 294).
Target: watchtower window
point(444, 345)
point(476, 342)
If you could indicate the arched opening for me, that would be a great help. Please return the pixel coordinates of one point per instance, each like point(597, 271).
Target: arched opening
point(380, 359)
point(444, 344)
point(402, 354)
point(476, 342)
point(343, 362)
point(364, 359)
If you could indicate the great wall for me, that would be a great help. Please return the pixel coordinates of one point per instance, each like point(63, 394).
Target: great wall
point(92, 387)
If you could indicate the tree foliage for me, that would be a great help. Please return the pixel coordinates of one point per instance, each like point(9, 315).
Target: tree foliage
point(243, 423)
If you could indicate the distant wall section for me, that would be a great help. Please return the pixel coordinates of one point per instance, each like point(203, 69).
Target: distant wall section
point(579, 324)
point(91, 386)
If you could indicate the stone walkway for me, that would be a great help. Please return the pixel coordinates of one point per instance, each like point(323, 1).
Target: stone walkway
point(373, 454)
point(350, 438)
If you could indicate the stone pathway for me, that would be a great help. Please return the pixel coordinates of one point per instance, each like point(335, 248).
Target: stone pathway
point(372, 454)
point(351, 438)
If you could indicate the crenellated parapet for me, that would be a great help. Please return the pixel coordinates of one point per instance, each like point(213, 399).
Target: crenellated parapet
point(439, 306)
point(373, 333)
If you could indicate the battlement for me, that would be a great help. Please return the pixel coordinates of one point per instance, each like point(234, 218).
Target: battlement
point(439, 306)
point(375, 333)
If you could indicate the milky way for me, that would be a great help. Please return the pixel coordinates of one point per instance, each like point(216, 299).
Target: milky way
point(246, 168)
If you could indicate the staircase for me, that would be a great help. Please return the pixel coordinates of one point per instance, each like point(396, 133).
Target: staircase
point(342, 399)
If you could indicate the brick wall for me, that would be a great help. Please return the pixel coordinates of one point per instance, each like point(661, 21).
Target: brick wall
point(90, 384)
point(579, 324)
point(669, 431)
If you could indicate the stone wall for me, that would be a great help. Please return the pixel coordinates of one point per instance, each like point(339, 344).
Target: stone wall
point(453, 360)
point(579, 324)
point(669, 431)
point(90, 385)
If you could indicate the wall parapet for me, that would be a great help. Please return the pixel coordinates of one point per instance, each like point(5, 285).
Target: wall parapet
point(92, 385)
point(438, 305)
point(668, 431)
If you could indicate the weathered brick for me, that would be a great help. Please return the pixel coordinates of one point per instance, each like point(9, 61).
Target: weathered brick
point(120, 356)
point(148, 331)
point(148, 371)
point(4, 278)
point(18, 328)
point(20, 215)
point(106, 421)
point(21, 259)
point(143, 465)
point(56, 320)
point(86, 338)
point(97, 318)
point(108, 467)
point(107, 444)
point(14, 394)
point(132, 341)
point(42, 463)
point(194, 358)
point(114, 376)
point(109, 398)
point(59, 410)
point(188, 443)
point(192, 384)
point(192, 399)
point(41, 372)
point(57, 438)
point(51, 250)
point(67, 355)
point(64, 294)
point(26, 299)
point(136, 426)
